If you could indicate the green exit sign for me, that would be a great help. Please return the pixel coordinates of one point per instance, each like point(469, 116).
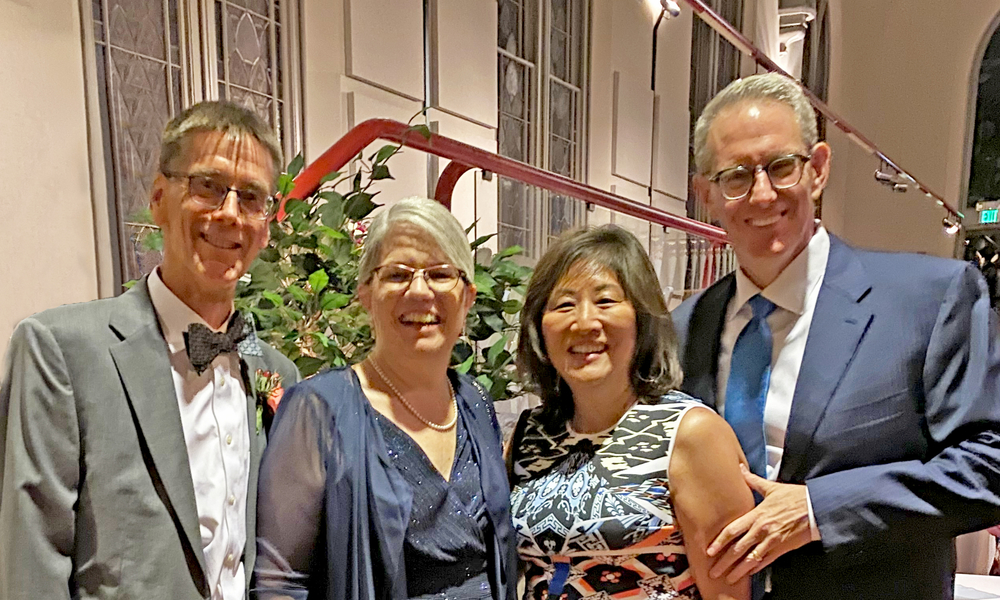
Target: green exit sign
point(989, 216)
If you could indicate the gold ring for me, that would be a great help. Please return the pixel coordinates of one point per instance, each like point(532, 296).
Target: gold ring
point(754, 556)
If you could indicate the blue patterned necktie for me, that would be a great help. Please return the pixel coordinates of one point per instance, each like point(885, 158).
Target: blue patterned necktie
point(746, 390)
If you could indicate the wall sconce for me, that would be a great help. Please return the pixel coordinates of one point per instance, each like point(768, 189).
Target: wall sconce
point(950, 227)
point(899, 182)
point(664, 8)
point(671, 8)
point(884, 178)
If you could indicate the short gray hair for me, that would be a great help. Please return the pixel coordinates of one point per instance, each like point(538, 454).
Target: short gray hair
point(430, 216)
point(771, 87)
point(218, 115)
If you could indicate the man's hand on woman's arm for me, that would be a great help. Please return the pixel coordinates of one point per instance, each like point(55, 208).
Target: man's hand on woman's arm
point(708, 493)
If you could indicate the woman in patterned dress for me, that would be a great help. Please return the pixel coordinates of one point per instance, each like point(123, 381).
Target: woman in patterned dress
point(619, 481)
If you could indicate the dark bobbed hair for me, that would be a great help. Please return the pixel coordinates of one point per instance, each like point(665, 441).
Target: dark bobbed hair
point(655, 368)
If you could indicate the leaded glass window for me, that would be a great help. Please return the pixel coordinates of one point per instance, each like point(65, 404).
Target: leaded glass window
point(248, 34)
point(140, 72)
point(714, 64)
point(540, 46)
point(150, 66)
point(517, 44)
point(564, 79)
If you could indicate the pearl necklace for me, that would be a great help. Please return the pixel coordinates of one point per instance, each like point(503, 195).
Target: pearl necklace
point(445, 427)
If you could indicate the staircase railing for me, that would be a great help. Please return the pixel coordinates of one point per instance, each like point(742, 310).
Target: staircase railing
point(705, 249)
point(743, 44)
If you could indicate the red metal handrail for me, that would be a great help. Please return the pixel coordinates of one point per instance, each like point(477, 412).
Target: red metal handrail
point(465, 157)
point(744, 45)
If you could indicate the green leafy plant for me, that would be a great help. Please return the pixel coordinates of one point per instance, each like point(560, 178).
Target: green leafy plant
point(492, 324)
point(302, 289)
point(150, 237)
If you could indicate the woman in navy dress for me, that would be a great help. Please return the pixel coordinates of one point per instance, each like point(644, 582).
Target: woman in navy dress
point(386, 479)
point(619, 481)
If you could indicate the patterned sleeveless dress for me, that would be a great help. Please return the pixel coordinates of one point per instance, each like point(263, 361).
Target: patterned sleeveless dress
point(592, 512)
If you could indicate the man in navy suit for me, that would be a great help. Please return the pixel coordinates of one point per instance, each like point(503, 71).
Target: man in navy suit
point(878, 420)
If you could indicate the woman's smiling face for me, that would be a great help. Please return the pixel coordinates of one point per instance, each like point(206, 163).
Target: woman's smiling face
point(415, 318)
point(589, 327)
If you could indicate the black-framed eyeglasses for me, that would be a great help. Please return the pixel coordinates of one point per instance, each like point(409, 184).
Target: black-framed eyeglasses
point(783, 172)
point(211, 193)
point(439, 278)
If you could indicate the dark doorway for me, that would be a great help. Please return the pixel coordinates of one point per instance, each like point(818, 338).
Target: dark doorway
point(982, 241)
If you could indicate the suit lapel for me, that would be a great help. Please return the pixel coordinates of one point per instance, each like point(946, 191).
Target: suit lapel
point(701, 351)
point(142, 359)
point(838, 326)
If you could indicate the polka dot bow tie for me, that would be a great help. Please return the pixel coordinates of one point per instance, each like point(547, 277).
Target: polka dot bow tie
point(203, 344)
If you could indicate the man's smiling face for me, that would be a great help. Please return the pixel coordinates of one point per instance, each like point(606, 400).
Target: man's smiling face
point(767, 228)
point(206, 251)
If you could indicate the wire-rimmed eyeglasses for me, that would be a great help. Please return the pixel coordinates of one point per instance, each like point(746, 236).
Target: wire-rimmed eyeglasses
point(783, 172)
point(439, 278)
point(211, 193)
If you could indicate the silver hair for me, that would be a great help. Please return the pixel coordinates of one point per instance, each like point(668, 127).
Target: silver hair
point(219, 115)
point(771, 87)
point(430, 216)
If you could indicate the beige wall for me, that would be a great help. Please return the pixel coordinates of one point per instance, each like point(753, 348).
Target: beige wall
point(47, 230)
point(354, 70)
point(357, 65)
point(628, 153)
point(902, 73)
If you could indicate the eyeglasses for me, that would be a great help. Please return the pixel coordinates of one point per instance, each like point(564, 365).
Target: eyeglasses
point(211, 193)
point(439, 278)
point(783, 172)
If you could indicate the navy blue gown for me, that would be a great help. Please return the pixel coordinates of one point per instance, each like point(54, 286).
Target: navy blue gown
point(445, 545)
point(349, 508)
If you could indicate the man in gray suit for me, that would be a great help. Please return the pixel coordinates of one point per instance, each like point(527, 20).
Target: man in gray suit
point(130, 430)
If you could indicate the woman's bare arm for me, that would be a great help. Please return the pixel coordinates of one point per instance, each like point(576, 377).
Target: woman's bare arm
point(708, 493)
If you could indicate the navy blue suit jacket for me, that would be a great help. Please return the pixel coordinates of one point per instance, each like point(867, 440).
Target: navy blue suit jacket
point(894, 426)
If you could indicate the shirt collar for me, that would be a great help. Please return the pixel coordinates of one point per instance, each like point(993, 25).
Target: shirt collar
point(174, 315)
point(791, 288)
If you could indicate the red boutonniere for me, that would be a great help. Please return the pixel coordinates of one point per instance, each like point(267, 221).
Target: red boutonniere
point(268, 390)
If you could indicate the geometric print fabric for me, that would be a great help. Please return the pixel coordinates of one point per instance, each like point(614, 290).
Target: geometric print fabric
point(601, 502)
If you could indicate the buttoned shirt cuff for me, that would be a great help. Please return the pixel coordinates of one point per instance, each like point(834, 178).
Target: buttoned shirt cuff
point(813, 527)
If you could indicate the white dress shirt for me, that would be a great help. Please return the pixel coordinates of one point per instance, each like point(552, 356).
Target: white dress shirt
point(213, 408)
point(794, 293)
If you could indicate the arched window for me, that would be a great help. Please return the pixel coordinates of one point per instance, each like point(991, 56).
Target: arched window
point(715, 63)
point(982, 243)
point(984, 178)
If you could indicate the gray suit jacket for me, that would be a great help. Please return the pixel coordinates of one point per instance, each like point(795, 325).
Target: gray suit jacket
point(96, 495)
